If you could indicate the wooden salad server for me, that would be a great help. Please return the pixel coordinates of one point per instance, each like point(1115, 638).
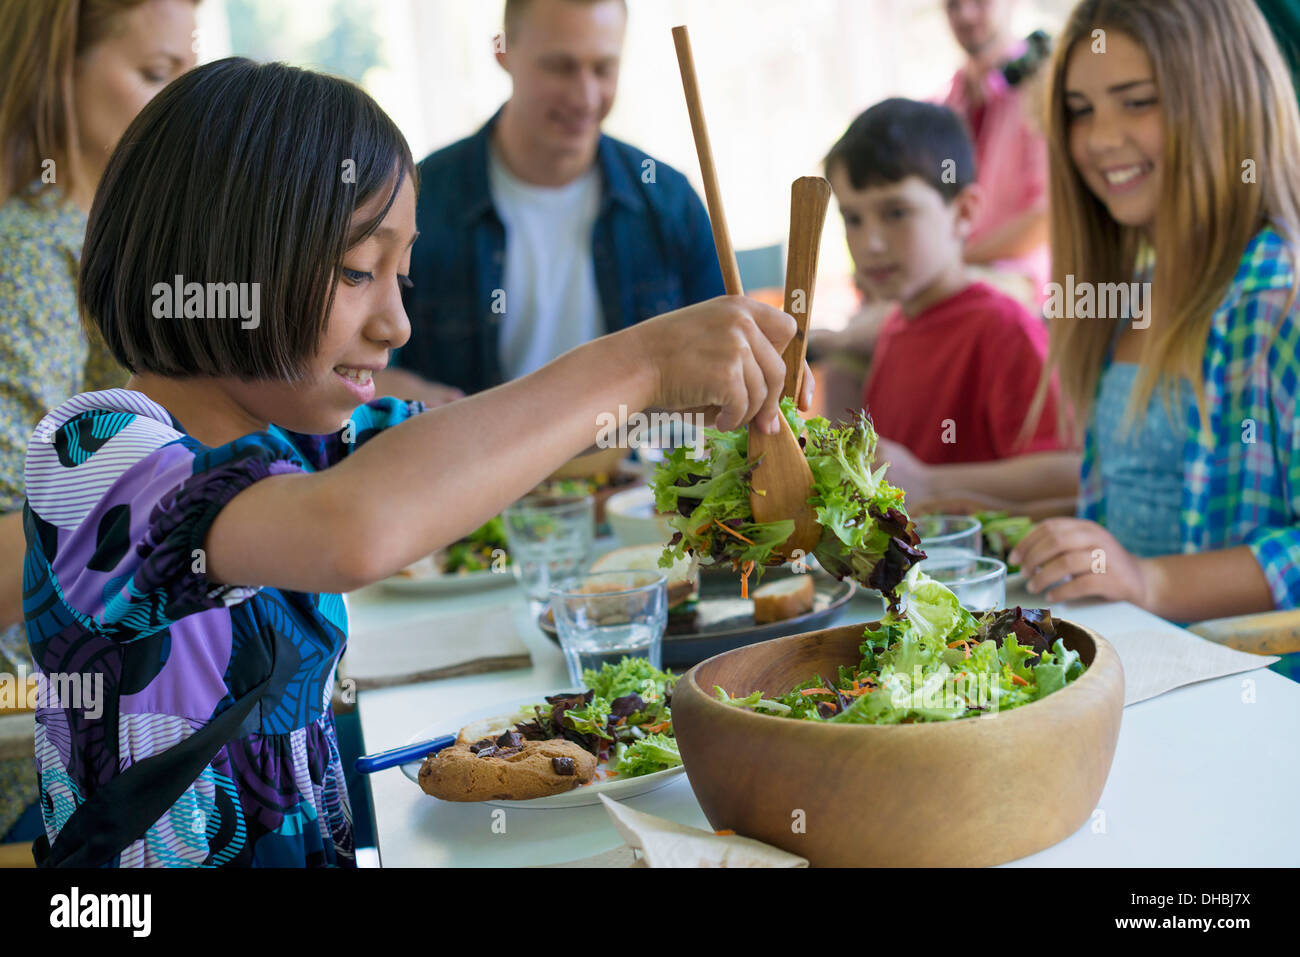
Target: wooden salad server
point(785, 485)
point(712, 191)
point(782, 481)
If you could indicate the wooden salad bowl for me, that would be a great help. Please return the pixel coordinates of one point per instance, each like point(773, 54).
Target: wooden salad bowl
point(964, 793)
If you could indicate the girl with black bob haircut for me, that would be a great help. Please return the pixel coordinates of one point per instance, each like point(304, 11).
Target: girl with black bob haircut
point(188, 536)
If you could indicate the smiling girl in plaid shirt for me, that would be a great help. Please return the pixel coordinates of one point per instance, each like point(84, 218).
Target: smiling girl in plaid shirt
point(1174, 127)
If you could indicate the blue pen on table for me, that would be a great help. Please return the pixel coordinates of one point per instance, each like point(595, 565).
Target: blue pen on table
point(370, 763)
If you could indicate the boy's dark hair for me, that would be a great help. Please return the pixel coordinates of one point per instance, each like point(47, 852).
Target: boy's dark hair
point(898, 138)
point(237, 172)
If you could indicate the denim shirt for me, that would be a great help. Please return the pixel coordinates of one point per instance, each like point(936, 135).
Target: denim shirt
point(1241, 468)
point(652, 249)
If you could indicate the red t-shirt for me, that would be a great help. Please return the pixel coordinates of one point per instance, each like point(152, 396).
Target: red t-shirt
point(954, 383)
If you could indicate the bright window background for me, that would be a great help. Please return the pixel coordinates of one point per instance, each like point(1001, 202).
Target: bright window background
point(781, 80)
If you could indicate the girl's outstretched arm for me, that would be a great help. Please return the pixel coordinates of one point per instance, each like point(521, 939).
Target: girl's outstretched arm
point(1036, 510)
point(430, 480)
point(1217, 584)
point(1069, 558)
point(1031, 477)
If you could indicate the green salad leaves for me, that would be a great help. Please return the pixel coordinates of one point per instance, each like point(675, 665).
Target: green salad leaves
point(866, 534)
point(656, 752)
point(623, 718)
point(476, 551)
point(928, 658)
point(933, 661)
point(1001, 533)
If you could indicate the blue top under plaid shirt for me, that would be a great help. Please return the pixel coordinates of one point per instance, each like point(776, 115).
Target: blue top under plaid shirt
point(1241, 472)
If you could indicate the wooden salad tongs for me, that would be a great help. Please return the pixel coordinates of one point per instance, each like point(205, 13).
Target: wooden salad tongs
point(782, 482)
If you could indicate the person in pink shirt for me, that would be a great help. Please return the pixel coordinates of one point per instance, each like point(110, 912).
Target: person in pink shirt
point(1009, 234)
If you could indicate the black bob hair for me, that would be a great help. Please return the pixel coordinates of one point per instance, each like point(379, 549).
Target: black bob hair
point(898, 138)
point(237, 172)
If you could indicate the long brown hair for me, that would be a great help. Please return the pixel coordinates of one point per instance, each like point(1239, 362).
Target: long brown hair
point(1226, 97)
point(39, 45)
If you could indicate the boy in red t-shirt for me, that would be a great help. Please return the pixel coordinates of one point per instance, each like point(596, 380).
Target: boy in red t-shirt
point(957, 362)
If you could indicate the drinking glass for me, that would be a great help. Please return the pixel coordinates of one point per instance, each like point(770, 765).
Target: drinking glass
point(550, 539)
point(606, 616)
point(949, 536)
point(980, 584)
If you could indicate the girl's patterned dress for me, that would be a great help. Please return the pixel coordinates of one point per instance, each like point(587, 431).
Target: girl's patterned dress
point(119, 503)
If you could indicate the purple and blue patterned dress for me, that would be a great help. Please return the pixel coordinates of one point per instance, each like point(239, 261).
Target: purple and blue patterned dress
point(119, 501)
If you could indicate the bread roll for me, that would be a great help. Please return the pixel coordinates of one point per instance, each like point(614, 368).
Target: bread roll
point(787, 598)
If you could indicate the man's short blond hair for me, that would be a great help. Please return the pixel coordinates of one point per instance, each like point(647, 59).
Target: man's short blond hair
point(517, 8)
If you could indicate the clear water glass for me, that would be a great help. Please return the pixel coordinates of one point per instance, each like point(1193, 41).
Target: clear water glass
point(949, 536)
point(979, 583)
point(550, 539)
point(603, 617)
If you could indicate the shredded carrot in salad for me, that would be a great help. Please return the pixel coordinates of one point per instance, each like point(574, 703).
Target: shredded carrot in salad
point(732, 531)
point(859, 687)
point(744, 579)
point(965, 646)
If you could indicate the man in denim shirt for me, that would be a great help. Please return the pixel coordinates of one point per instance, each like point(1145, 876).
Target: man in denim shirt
point(539, 232)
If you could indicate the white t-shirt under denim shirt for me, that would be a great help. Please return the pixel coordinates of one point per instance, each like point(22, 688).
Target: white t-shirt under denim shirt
point(551, 300)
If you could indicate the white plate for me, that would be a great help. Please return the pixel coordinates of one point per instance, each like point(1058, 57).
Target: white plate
point(633, 520)
point(438, 583)
point(581, 796)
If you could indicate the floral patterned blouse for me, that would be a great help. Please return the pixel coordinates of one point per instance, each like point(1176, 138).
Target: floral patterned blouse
point(45, 358)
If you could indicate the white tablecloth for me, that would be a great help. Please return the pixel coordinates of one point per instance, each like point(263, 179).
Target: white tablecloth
point(1204, 775)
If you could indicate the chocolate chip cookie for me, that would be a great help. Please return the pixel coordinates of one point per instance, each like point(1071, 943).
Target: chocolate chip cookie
point(506, 768)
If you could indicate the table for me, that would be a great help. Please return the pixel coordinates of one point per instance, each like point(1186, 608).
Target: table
point(1201, 777)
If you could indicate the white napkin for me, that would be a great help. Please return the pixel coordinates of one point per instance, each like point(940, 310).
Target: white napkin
point(1157, 661)
point(664, 843)
point(1157, 655)
point(621, 856)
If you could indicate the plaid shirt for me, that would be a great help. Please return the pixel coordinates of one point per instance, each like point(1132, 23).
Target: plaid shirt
point(1241, 471)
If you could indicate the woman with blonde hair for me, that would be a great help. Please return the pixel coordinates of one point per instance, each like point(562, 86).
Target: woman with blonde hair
point(73, 74)
point(1173, 131)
